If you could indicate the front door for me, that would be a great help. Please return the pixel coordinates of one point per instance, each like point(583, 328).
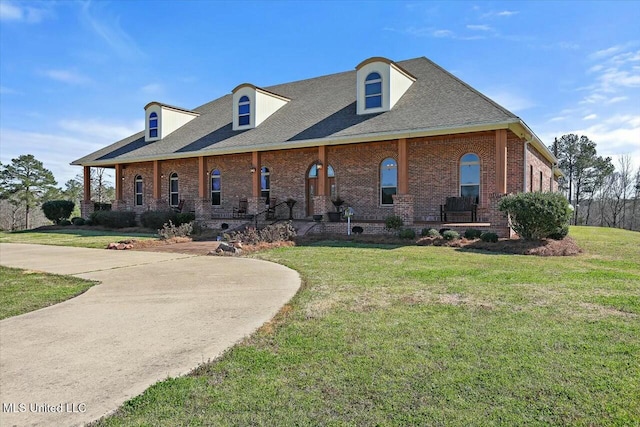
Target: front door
point(312, 185)
point(311, 191)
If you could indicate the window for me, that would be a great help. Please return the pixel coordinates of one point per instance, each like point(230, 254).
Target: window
point(388, 180)
point(137, 190)
point(244, 111)
point(373, 91)
point(153, 125)
point(470, 176)
point(174, 198)
point(265, 184)
point(313, 173)
point(540, 181)
point(215, 187)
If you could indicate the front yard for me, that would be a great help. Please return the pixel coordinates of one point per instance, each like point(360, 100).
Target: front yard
point(383, 335)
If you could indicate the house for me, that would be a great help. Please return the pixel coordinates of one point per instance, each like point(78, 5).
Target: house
point(389, 138)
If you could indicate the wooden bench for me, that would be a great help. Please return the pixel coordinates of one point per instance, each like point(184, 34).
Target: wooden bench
point(458, 205)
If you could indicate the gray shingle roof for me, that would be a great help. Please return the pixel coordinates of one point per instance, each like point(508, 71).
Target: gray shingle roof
point(321, 110)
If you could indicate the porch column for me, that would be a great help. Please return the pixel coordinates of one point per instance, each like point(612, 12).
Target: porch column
point(403, 167)
point(403, 201)
point(119, 204)
point(201, 202)
point(501, 161)
point(86, 206)
point(254, 202)
point(157, 203)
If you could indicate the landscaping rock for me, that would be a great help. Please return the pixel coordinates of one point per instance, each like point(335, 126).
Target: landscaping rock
point(225, 247)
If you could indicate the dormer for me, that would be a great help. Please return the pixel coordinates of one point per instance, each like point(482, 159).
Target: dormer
point(252, 106)
point(162, 119)
point(380, 84)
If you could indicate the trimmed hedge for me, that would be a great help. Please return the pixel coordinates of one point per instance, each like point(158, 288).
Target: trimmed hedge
point(58, 210)
point(407, 233)
point(537, 215)
point(489, 237)
point(472, 233)
point(114, 219)
point(155, 220)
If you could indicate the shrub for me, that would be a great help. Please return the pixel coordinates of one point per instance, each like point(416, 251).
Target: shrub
point(407, 233)
point(170, 230)
point(489, 237)
point(560, 233)
point(393, 222)
point(76, 220)
point(114, 219)
point(536, 215)
point(451, 235)
point(430, 232)
point(442, 230)
point(58, 210)
point(278, 232)
point(357, 229)
point(472, 233)
point(157, 219)
point(184, 218)
point(65, 222)
point(224, 226)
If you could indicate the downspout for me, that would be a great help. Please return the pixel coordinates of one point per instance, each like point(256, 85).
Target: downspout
point(525, 157)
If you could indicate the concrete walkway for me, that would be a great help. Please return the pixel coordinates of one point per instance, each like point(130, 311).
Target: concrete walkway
point(154, 315)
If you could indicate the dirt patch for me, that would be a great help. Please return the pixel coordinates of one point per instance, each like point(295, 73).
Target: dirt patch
point(180, 245)
point(544, 247)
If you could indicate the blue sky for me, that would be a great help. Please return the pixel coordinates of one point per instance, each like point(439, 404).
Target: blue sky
point(75, 75)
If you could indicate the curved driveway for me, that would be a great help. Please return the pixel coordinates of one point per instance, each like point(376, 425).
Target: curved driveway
point(154, 315)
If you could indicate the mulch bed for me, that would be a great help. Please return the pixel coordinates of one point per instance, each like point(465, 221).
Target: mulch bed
point(544, 247)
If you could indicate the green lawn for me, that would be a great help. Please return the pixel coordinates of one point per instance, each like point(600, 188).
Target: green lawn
point(429, 336)
point(70, 237)
point(22, 291)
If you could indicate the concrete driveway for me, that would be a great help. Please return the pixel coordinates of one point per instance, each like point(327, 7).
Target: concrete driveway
point(154, 315)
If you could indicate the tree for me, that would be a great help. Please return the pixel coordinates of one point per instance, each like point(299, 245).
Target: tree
point(580, 164)
point(25, 182)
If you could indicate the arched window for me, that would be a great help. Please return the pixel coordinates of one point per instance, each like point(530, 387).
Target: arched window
point(388, 180)
point(153, 125)
point(265, 182)
point(174, 197)
point(215, 187)
point(244, 111)
point(470, 176)
point(137, 190)
point(313, 173)
point(373, 91)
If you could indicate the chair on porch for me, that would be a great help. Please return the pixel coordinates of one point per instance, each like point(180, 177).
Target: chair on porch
point(241, 210)
point(271, 208)
point(178, 209)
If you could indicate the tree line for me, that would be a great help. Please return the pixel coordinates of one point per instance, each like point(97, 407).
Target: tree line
point(602, 193)
point(25, 184)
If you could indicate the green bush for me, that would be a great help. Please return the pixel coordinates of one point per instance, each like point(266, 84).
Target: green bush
point(185, 218)
point(155, 220)
point(489, 237)
point(65, 222)
point(114, 219)
point(278, 232)
point(472, 233)
point(76, 220)
point(58, 210)
point(393, 222)
point(407, 233)
point(560, 233)
point(431, 232)
point(451, 235)
point(536, 215)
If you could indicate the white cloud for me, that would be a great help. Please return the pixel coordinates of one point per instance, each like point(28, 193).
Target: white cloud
point(606, 52)
point(17, 13)
point(107, 132)
point(617, 99)
point(7, 91)
point(479, 27)
point(442, 33)
point(557, 119)
point(67, 76)
point(108, 28)
point(152, 89)
point(507, 13)
point(590, 117)
point(509, 99)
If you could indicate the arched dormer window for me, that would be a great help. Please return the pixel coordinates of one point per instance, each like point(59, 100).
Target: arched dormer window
point(388, 180)
point(373, 91)
point(153, 125)
point(265, 182)
point(174, 195)
point(137, 190)
point(470, 176)
point(244, 111)
point(216, 185)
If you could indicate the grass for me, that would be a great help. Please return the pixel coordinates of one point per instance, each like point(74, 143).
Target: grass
point(383, 335)
point(70, 237)
point(22, 291)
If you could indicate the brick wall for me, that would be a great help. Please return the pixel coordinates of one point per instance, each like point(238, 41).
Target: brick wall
point(539, 164)
point(433, 164)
